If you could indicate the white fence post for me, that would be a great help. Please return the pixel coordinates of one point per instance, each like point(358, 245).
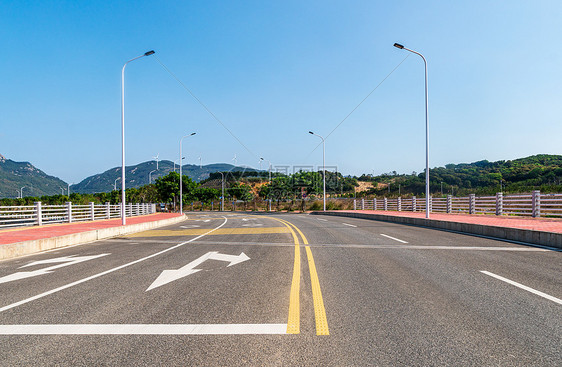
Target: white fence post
point(449, 203)
point(92, 213)
point(399, 204)
point(374, 203)
point(413, 203)
point(499, 203)
point(536, 203)
point(354, 204)
point(107, 210)
point(362, 203)
point(39, 213)
point(385, 204)
point(471, 203)
point(69, 211)
point(130, 209)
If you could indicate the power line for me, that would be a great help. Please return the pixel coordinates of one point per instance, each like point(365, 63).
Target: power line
point(205, 107)
point(360, 103)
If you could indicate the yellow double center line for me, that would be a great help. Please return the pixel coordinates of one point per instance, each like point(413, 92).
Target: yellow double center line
point(293, 324)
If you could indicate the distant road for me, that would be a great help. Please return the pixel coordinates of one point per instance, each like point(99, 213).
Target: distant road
point(284, 290)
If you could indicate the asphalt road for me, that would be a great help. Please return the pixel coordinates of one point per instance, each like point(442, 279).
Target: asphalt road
point(284, 290)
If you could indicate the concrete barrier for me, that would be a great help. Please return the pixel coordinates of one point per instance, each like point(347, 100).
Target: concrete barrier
point(549, 239)
point(12, 250)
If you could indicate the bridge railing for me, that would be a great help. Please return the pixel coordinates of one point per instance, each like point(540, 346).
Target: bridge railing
point(532, 204)
point(39, 214)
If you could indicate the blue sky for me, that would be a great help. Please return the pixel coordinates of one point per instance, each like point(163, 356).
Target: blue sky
point(273, 70)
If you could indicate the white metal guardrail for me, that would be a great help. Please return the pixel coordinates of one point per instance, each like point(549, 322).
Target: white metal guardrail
point(39, 214)
point(534, 204)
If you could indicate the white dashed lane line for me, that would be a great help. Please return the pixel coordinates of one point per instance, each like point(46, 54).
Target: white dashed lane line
point(392, 238)
point(519, 285)
point(351, 225)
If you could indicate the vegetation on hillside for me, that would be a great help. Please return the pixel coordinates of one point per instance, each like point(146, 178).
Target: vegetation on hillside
point(540, 172)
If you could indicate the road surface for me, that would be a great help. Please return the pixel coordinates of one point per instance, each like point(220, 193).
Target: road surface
point(284, 290)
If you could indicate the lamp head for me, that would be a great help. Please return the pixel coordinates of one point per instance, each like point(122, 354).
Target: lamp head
point(151, 52)
point(397, 45)
point(192, 134)
point(310, 132)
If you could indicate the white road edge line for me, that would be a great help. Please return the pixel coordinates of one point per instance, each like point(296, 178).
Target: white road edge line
point(351, 225)
point(2, 309)
point(392, 238)
point(528, 289)
point(144, 329)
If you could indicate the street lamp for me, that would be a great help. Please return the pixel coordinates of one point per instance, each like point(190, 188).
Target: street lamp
point(222, 196)
point(123, 221)
point(181, 188)
point(323, 165)
point(269, 191)
point(21, 192)
point(397, 45)
point(177, 160)
point(149, 175)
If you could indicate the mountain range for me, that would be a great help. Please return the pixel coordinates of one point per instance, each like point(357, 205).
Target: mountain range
point(140, 174)
point(518, 175)
point(23, 178)
point(15, 175)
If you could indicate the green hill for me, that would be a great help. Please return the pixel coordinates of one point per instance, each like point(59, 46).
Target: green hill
point(15, 175)
point(138, 175)
point(539, 172)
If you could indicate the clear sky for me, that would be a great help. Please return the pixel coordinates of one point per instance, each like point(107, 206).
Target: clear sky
point(273, 70)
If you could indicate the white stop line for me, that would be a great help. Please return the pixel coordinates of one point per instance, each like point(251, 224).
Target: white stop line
point(144, 329)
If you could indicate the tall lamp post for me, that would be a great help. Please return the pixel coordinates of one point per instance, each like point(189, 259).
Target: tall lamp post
point(177, 160)
point(222, 195)
point(323, 166)
point(269, 191)
point(123, 221)
point(150, 176)
point(181, 187)
point(115, 183)
point(397, 45)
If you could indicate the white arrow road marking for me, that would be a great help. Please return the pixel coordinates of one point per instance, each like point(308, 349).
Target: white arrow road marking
point(52, 291)
point(252, 225)
point(190, 226)
point(66, 261)
point(168, 276)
